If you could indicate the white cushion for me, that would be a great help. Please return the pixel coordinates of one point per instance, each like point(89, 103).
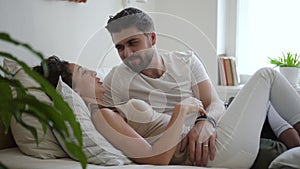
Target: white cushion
point(48, 145)
point(97, 149)
point(288, 159)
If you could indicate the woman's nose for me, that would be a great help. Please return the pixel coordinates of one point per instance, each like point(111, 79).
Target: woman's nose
point(94, 73)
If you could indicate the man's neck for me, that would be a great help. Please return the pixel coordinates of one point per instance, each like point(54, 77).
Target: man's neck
point(153, 73)
point(157, 68)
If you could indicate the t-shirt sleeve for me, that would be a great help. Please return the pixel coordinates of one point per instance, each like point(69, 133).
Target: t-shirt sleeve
point(198, 70)
point(112, 95)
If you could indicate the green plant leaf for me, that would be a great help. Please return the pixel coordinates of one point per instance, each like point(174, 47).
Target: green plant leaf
point(58, 117)
point(2, 166)
point(6, 97)
point(286, 60)
point(50, 91)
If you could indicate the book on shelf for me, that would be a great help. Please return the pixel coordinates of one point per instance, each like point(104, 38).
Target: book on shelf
point(228, 75)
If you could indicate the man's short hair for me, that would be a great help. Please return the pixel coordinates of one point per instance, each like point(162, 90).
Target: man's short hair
point(130, 17)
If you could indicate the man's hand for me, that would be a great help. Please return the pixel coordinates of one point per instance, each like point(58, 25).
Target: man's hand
point(202, 143)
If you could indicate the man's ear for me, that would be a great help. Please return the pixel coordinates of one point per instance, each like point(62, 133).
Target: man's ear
point(153, 38)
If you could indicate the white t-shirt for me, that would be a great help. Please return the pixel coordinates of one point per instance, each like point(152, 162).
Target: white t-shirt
point(183, 70)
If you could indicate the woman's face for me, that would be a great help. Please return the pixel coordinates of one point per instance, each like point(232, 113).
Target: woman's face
point(85, 82)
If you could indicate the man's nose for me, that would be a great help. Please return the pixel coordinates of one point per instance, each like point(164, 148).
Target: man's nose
point(128, 52)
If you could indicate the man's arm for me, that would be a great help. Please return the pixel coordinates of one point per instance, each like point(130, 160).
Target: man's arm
point(201, 138)
point(207, 94)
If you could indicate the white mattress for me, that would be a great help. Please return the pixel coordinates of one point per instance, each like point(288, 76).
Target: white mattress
point(14, 159)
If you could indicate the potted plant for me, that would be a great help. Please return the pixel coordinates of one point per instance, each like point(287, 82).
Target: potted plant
point(58, 117)
point(289, 65)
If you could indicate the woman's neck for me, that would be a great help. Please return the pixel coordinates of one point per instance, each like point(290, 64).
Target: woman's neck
point(88, 100)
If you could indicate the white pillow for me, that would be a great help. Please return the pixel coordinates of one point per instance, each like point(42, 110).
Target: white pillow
point(48, 145)
point(288, 159)
point(97, 149)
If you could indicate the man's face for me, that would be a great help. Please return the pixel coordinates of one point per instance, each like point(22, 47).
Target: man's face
point(134, 48)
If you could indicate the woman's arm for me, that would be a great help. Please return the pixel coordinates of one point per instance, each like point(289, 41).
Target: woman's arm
point(114, 128)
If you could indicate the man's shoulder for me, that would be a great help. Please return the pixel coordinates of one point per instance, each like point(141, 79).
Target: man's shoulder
point(186, 53)
point(116, 70)
point(185, 56)
point(179, 54)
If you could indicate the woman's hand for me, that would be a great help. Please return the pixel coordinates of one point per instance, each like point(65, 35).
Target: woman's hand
point(191, 105)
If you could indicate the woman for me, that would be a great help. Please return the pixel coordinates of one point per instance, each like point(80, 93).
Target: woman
point(124, 129)
point(238, 130)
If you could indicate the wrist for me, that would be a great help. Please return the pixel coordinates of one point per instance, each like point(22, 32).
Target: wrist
point(206, 118)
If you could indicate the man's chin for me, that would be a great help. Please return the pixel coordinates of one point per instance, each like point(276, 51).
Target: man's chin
point(137, 70)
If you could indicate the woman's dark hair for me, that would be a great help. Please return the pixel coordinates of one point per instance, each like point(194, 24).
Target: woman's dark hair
point(56, 68)
point(130, 17)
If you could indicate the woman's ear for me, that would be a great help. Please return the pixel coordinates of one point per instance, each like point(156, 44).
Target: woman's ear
point(77, 91)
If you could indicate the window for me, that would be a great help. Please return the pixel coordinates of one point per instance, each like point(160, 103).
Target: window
point(265, 28)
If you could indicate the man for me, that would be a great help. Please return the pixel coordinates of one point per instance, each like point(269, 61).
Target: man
point(164, 79)
point(161, 79)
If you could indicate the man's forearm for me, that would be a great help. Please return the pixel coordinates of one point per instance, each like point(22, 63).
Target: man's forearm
point(216, 110)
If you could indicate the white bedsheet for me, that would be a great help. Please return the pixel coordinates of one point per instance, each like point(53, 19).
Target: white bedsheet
point(14, 159)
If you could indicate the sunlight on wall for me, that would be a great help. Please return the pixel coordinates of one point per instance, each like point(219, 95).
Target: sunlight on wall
point(266, 29)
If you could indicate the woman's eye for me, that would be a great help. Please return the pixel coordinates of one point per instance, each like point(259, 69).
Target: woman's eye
point(83, 72)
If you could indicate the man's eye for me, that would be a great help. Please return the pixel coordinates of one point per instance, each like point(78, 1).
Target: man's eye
point(131, 43)
point(119, 48)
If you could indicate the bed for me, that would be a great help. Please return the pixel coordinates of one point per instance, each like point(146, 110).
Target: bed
point(14, 159)
point(18, 149)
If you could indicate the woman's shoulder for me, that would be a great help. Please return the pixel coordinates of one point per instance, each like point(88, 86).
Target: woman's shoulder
point(95, 106)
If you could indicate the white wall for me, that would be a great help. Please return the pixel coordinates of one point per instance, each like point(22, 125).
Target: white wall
point(195, 23)
point(75, 31)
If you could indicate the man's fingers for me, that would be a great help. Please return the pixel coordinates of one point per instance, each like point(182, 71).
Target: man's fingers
point(198, 153)
point(192, 147)
point(184, 143)
point(205, 148)
point(212, 147)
